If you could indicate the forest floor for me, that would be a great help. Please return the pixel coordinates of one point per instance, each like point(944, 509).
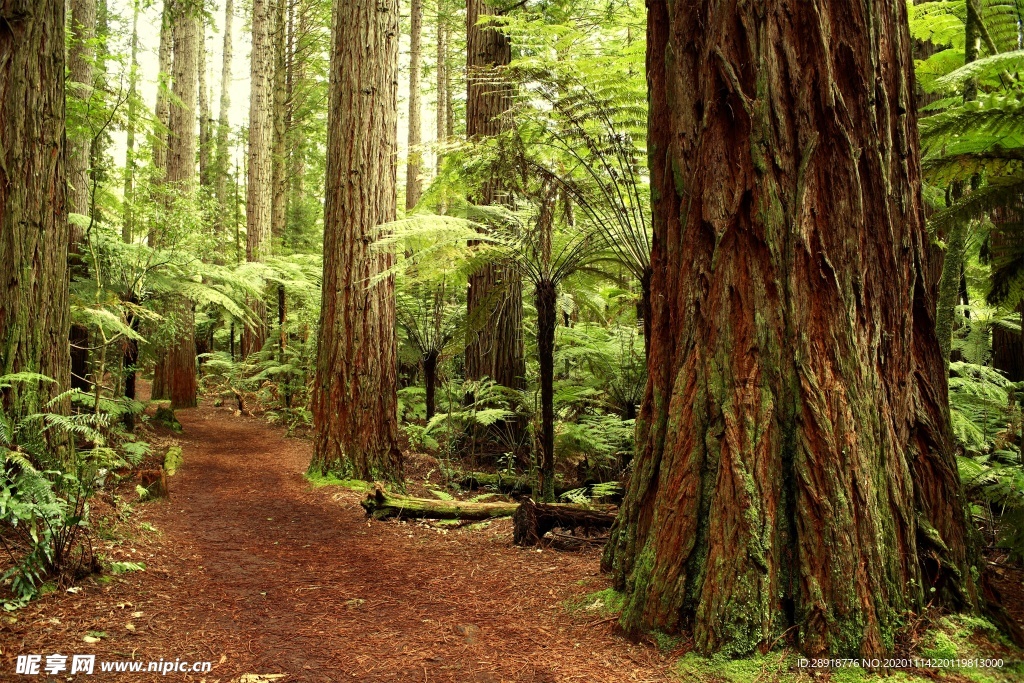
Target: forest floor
point(249, 567)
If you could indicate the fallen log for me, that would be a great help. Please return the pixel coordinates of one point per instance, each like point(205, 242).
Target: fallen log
point(380, 504)
point(532, 520)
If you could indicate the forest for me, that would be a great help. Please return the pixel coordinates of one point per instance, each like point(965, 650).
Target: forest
point(512, 340)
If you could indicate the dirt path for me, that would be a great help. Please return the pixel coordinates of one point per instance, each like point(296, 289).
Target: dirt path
point(253, 570)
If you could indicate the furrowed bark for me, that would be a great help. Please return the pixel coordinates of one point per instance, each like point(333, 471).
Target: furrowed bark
point(34, 232)
point(495, 306)
point(547, 301)
point(355, 390)
point(177, 369)
point(260, 187)
point(413, 183)
point(794, 464)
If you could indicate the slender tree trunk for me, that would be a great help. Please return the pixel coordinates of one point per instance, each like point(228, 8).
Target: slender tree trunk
point(280, 104)
point(355, 401)
point(178, 367)
point(223, 151)
point(128, 216)
point(34, 232)
point(441, 74)
point(794, 469)
point(205, 117)
point(413, 183)
point(495, 301)
point(956, 240)
point(81, 54)
point(260, 189)
point(161, 115)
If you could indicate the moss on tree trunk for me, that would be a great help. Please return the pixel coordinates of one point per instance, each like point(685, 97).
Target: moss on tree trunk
point(794, 468)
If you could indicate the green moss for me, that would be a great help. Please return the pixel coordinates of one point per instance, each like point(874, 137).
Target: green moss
point(769, 668)
point(173, 460)
point(318, 480)
point(606, 603)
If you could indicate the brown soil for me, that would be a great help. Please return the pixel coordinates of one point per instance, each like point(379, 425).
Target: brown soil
point(257, 572)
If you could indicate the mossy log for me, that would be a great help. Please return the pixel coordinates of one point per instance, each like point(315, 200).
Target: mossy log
point(533, 520)
point(383, 505)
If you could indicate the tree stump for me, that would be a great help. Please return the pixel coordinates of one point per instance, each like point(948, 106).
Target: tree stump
point(532, 520)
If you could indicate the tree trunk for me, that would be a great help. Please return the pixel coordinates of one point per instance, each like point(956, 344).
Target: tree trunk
point(223, 162)
point(260, 189)
point(532, 520)
point(430, 380)
point(205, 118)
point(383, 505)
point(177, 368)
point(80, 58)
point(413, 183)
point(162, 106)
point(495, 301)
point(280, 102)
point(128, 217)
point(355, 398)
point(34, 233)
point(441, 73)
point(547, 301)
point(794, 464)
point(80, 61)
point(956, 240)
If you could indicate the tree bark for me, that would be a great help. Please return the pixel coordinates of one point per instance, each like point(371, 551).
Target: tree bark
point(260, 188)
point(546, 299)
point(280, 103)
point(128, 217)
point(205, 118)
point(223, 161)
point(176, 371)
point(430, 380)
point(794, 465)
point(532, 520)
point(34, 232)
point(441, 74)
point(80, 59)
point(355, 390)
point(413, 183)
point(495, 299)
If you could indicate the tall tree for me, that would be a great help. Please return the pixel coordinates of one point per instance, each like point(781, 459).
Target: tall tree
point(205, 117)
point(81, 54)
point(259, 190)
point(223, 151)
point(794, 469)
point(355, 391)
point(178, 367)
point(128, 217)
point(34, 232)
point(161, 114)
point(495, 304)
point(280, 104)
point(441, 84)
point(413, 168)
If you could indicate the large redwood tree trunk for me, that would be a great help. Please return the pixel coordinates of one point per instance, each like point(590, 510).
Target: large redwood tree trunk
point(495, 300)
point(34, 229)
point(794, 464)
point(355, 400)
point(175, 374)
